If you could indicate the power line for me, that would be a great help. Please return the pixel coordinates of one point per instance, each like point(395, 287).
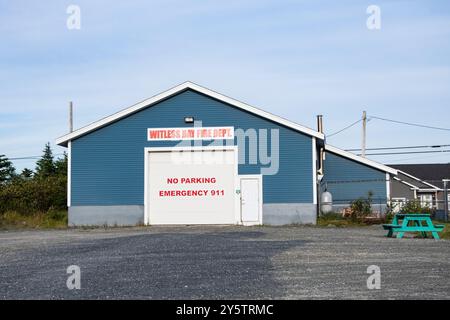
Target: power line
point(407, 147)
point(347, 127)
point(410, 124)
point(33, 157)
point(409, 152)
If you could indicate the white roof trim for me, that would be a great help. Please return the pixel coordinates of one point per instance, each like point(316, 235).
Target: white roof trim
point(186, 85)
point(417, 179)
point(362, 160)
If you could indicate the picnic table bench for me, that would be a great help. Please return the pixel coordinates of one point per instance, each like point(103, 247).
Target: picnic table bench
point(413, 222)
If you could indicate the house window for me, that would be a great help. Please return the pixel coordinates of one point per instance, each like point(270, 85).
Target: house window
point(426, 200)
point(398, 204)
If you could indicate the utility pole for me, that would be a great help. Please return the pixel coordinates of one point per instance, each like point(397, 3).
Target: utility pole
point(364, 125)
point(70, 116)
point(446, 181)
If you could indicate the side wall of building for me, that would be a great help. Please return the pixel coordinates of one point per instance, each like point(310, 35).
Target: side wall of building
point(348, 180)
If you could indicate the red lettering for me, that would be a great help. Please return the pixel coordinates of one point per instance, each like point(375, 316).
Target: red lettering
point(155, 134)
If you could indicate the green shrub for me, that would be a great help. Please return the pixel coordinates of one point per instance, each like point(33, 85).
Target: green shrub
point(361, 207)
point(35, 195)
point(414, 206)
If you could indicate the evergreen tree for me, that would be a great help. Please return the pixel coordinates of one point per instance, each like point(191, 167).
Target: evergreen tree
point(26, 173)
point(45, 166)
point(7, 170)
point(61, 165)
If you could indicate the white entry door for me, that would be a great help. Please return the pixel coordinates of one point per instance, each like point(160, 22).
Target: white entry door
point(251, 199)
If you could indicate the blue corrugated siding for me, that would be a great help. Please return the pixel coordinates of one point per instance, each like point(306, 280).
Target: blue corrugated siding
point(348, 180)
point(108, 164)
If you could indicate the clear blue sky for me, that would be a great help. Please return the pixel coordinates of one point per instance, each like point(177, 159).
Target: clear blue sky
point(292, 58)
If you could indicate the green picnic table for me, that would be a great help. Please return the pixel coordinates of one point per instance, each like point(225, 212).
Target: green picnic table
point(413, 222)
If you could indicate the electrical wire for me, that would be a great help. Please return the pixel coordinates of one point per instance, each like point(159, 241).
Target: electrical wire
point(397, 148)
point(408, 152)
point(402, 160)
point(33, 157)
point(410, 124)
point(347, 127)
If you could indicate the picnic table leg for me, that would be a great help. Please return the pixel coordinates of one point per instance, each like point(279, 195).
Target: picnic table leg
point(395, 220)
point(391, 230)
point(431, 226)
point(404, 225)
point(419, 224)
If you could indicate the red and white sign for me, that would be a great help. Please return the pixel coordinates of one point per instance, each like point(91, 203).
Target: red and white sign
point(192, 133)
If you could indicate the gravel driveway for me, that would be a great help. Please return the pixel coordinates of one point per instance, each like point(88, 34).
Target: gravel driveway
point(222, 262)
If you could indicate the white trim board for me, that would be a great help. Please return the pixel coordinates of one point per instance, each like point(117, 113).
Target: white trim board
point(69, 174)
point(175, 90)
point(388, 186)
point(417, 179)
point(360, 159)
point(314, 165)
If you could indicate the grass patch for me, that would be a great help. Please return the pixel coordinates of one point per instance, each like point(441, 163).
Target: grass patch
point(445, 234)
point(336, 220)
point(47, 220)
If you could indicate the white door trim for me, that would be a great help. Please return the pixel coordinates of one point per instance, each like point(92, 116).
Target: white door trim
point(147, 150)
point(259, 177)
point(314, 165)
point(69, 174)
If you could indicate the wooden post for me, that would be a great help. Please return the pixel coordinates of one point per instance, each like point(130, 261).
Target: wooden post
point(364, 125)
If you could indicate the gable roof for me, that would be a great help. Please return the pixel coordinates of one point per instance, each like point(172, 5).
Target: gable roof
point(173, 91)
point(430, 174)
point(365, 161)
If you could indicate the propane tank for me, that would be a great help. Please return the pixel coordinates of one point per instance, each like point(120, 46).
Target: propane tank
point(326, 202)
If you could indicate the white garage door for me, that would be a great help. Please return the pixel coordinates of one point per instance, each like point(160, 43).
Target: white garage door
point(191, 187)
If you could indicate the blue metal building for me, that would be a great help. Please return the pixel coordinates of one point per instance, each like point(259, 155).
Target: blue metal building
point(349, 177)
point(122, 168)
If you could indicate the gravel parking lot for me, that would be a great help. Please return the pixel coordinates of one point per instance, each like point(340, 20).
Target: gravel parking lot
point(222, 262)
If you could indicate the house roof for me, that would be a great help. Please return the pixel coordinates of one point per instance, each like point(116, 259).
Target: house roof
point(360, 159)
point(413, 187)
point(173, 91)
point(415, 182)
point(430, 174)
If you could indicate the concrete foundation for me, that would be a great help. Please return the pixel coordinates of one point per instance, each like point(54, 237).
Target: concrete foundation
point(106, 215)
point(273, 214)
point(289, 213)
